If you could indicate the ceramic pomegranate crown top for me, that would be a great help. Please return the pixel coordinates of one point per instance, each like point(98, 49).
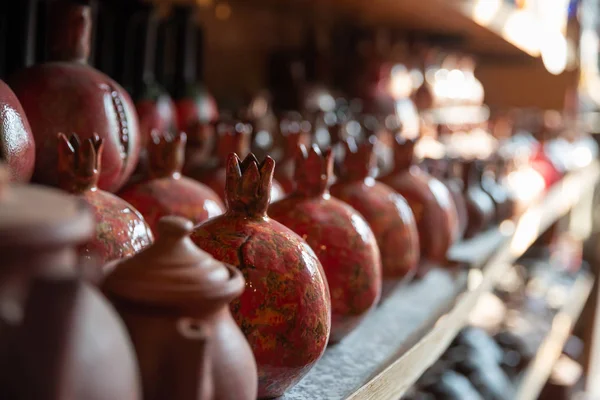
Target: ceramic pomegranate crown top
point(313, 171)
point(294, 132)
point(248, 185)
point(359, 161)
point(79, 163)
point(404, 152)
point(167, 154)
point(70, 35)
point(233, 137)
point(174, 272)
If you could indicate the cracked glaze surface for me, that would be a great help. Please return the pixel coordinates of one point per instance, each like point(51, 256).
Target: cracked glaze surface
point(283, 311)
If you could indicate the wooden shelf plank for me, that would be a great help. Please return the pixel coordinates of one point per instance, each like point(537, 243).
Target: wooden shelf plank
point(540, 368)
point(410, 331)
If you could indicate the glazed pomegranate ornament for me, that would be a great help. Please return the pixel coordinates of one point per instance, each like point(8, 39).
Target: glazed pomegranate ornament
point(120, 229)
point(166, 192)
point(285, 309)
point(67, 95)
point(233, 137)
point(386, 212)
point(17, 148)
point(340, 237)
point(480, 205)
point(294, 133)
point(429, 199)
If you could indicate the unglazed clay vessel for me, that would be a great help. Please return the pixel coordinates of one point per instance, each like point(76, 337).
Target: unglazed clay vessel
point(294, 132)
point(285, 309)
point(387, 213)
point(67, 95)
point(340, 237)
point(173, 279)
point(40, 229)
point(17, 148)
point(166, 192)
point(233, 137)
point(70, 345)
point(429, 199)
point(120, 229)
point(479, 204)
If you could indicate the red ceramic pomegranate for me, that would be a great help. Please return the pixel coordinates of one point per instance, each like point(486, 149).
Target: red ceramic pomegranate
point(285, 310)
point(340, 237)
point(66, 95)
point(17, 148)
point(429, 199)
point(167, 192)
point(120, 229)
point(294, 133)
point(387, 213)
point(233, 137)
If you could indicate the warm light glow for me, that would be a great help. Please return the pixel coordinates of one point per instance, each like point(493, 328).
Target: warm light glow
point(526, 232)
point(223, 11)
point(484, 11)
point(526, 184)
point(474, 279)
point(554, 52)
point(428, 147)
point(401, 83)
point(519, 30)
point(507, 227)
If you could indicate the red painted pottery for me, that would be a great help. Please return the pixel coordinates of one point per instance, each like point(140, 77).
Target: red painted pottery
point(120, 229)
point(340, 237)
point(386, 212)
point(233, 137)
point(479, 204)
point(429, 199)
point(453, 181)
point(173, 279)
point(167, 192)
point(294, 133)
point(67, 95)
point(17, 148)
point(285, 309)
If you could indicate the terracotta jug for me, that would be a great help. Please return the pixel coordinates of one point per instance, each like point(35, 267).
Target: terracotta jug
point(166, 192)
point(294, 132)
point(17, 148)
point(285, 309)
point(340, 237)
point(387, 213)
point(173, 279)
point(71, 344)
point(67, 95)
point(40, 229)
point(429, 199)
point(120, 229)
point(480, 205)
point(232, 137)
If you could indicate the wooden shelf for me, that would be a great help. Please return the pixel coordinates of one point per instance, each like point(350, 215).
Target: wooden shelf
point(484, 26)
point(411, 329)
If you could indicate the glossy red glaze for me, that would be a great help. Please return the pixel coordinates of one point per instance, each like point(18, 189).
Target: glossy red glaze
point(120, 229)
point(387, 213)
point(69, 96)
point(285, 309)
point(17, 148)
point(167, 192)
point(232, 138)
point(155, 114)
point(454, 183)
point(340, 237)
point(430, 201)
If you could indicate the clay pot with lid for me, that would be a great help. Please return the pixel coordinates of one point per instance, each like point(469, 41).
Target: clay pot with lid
point(232, 137)
point(173, 279)
point(429, 200)
point(340, 237)
point(121, 231)
point(59, 338)
point(387, 213)
point(285, 309)
point(166, 192)
point(67, 95)
point(294, 132)
point(480, 205)
point(17, 147)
